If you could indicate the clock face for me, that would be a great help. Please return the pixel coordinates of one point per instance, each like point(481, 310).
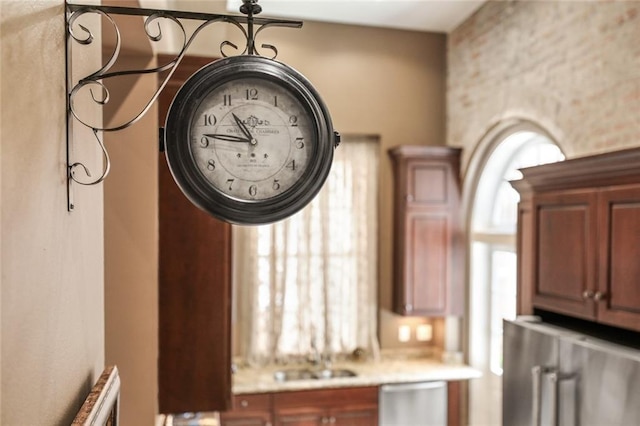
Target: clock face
point(251, 138)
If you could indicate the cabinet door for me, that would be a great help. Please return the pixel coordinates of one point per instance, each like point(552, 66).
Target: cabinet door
point(428, 248)
point(565, 252)
point(194, 291)
point(364, 416)
point(618, 293)
point(428, 183)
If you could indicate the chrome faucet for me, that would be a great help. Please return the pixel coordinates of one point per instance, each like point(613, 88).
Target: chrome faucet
point(314, 357)
point(323, 359)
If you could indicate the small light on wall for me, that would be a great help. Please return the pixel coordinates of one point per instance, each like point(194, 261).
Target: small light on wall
point(404, 333)
point(424, 332)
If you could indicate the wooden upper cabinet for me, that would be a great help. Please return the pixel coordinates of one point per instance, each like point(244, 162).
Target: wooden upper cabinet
point(427, 253)
point(580, 239)
point(194, 291)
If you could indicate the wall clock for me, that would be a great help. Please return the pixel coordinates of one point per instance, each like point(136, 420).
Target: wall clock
point(249, 140)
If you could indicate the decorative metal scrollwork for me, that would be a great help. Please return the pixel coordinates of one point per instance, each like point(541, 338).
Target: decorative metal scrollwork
point(94, 83)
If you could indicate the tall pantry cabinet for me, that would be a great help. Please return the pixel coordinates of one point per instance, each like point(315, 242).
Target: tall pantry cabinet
point(428, 262)
point(194, 289)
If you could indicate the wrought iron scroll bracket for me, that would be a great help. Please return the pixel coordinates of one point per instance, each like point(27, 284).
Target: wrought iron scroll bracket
point(94, 88)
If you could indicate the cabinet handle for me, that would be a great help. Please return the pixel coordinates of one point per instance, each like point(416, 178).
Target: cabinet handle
point(244, 403)
point(587, 294)
point(325, 420)
point(599, 295)
point(332, 420)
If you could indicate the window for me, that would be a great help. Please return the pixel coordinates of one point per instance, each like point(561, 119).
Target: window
point(494, 224)
point(308, 285)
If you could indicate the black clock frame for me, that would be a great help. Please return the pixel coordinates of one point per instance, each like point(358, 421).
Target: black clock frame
point(183, 165)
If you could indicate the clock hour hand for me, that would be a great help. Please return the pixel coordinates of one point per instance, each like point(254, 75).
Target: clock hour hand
point(228, 138)
point(243, 129)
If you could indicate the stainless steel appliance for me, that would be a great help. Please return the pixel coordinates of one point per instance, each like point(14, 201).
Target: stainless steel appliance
point(555, 376)
point(413, 404)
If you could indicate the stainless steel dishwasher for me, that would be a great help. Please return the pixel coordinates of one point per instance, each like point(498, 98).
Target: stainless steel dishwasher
point(413, 404)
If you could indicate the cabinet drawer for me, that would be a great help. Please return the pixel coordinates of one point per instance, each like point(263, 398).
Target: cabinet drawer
point(251, 402)
point(326, 398)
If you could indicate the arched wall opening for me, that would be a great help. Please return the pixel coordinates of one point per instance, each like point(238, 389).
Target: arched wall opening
point(490, 212)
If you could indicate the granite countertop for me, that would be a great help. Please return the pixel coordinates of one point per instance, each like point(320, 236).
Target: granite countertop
point(388, 370)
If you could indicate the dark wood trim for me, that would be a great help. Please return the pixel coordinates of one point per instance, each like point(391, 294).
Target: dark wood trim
point(611, 168)
point(454, 395)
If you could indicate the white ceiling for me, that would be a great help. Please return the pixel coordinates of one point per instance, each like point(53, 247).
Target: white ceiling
point(418, 15)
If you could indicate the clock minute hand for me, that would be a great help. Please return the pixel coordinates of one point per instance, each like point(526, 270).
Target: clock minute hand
point(228, 138)
point(243, 129)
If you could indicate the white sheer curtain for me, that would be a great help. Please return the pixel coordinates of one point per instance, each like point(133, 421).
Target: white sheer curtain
point(308, 285)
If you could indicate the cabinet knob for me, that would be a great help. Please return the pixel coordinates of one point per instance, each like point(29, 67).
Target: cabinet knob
point(244, 403)
point(408, 307)
point(409, 198)
point(598, 296)
point(325, 420)
point(332, 420)
point(587, 294)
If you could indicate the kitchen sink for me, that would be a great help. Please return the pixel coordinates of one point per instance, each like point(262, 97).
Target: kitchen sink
point(308, 374)
point(333, 373)
point(293, 374)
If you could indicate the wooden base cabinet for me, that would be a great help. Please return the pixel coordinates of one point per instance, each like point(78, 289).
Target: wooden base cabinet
point(580, 240)
point(336, 407)
point(428, 260)
point(356, 406)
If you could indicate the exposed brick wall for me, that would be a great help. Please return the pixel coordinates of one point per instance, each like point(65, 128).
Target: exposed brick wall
point(572, 67)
